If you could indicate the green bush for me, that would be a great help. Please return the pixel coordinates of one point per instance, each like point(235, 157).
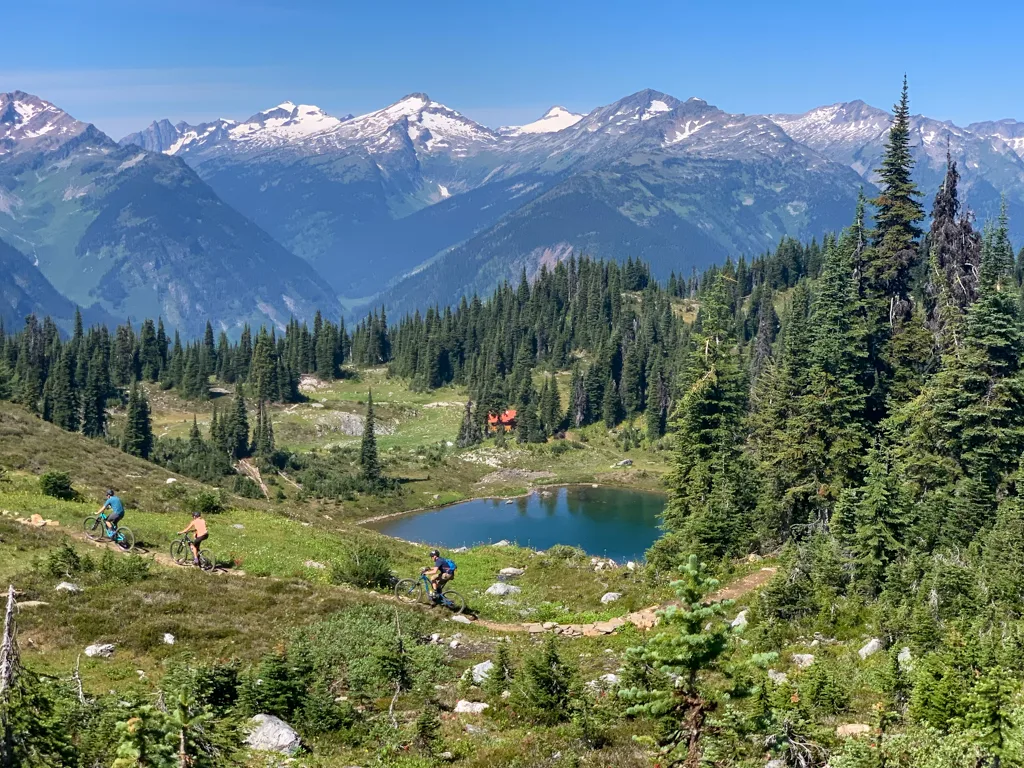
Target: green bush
point(57, 485)
point(363, 564)
point(125, 569)
point(825, 689)
point(65, 561)
point(247, 488)
point(543, 687)
point(204, 502)
point(565, 552)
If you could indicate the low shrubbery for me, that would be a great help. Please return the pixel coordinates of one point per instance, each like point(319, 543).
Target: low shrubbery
point(57, 485)
point(363, 564)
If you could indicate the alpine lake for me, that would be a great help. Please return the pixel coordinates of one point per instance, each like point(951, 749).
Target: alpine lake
point(604, 521)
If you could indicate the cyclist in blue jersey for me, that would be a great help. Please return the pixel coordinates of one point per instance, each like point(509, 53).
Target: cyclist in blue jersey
point(113, 503)
point(442, 572)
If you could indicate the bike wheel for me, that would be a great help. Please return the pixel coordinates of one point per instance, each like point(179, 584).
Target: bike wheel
point(179, 551)
point(411, 589)
point(207, 561)
point(455, 602)
point(94, 528)
point(125, 539)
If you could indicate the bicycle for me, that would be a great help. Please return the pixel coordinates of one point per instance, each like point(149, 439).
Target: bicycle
point(181, 553)
point(96, 529)
point(421, 590)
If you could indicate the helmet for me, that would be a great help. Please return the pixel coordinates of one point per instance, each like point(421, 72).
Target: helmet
point(196, 513)
point(110, 492)
point(434, 553)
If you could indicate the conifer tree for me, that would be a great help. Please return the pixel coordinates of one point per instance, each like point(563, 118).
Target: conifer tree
point(235, 428)
point(469, 432)
point(656, 410)
point(368, 460)
point(138, 431)
point(195, 439)
point(611, 405)
point(881, 519)
point(94, 398)
point(64, 405)
point(577, 414)
point(551, 407)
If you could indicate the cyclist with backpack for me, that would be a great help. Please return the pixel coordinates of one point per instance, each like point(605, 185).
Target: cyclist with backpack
point(113, 503)
point(442, 572)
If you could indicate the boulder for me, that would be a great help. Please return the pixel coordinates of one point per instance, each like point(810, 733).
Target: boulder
point(604, 681)
point(460, 550)
point(905, 659)
point(610, 597)
point(482, 671)
point(460, 619)
point(272, 734)
point(549, 625)
point(624, 463)
point(170, 480)
point(777, 677)
point(501, 589)
point(776, 763)
point(873, 647)
point(315, 565)
point(740, 621)
point(803, 660)
point(512, 572)
point(454, 644)
point(239, 526)
point(853, 729)
point(630, 565)
point(168, 638)
point(67, 586)
point(103, 650)
point(463, 707)
point(435, 639)
point(503, 542)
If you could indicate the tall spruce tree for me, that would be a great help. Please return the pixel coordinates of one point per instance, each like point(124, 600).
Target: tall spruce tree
point(235, 428)
point(369, 462)
point(469, 431)
point(138, 430)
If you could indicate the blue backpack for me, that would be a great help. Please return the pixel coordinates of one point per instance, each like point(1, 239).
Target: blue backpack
point(447, 565)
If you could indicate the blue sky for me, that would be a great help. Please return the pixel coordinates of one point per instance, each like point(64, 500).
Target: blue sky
point(121, 64)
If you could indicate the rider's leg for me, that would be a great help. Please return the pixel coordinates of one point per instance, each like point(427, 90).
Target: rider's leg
point(195, 552)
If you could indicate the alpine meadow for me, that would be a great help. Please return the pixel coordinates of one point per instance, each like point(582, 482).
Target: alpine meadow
point(799, 336)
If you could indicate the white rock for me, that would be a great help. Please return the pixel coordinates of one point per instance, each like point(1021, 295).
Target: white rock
point(501, 589)
point(803, 660)
point(168, 638)
point(463, 707)
point(435, 638)
point(482, 671)
point(171, 480)
point(67, 586)
point(631, 565)
point(549, 625)
point(502, 543)
point(506, 694)
point(777, 763)
point(454, 644)
point(104, 650)
point(610, 597)
point(272, 734)
point(905, 659)
point(604, 681)
point(460, 550)
point(239, 526)
point(460, 619)
point(512, 571)
point(740, 621)
point(314, 564)
point(777, 677)
point(873, 647)
point(625, 463)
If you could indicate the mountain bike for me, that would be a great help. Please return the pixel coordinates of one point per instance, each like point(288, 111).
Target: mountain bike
point(96, 530)
point(181, 553)
point(421, 591)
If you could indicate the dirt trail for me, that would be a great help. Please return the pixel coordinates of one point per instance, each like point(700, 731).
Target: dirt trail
point(643, 619)
point(250, 470)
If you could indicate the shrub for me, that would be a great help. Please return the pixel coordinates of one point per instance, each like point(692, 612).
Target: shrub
point(57, 485)
point(125, 569)
point(825, 689)
point(247, 488)
point(363, 564)
point(565, 552)
point(542, 692)
point(204, 502)
point(64, 561)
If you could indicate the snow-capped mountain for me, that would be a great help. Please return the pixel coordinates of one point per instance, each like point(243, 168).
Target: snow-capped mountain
point(554, 120)
point(27, 123)
point(1009, 131)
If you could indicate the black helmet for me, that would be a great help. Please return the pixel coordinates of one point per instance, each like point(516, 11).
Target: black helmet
point(434, 553)
point(196, 513)
point(110, 492)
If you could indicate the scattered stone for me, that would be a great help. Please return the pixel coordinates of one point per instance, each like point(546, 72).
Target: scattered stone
point(873, 647)
point(624, 463)
point(550, 625)
point(460, 550)
point(803, 660)
point(463, 707)
point(510, 501)
point(67, 586)
point(454, 644)
point(610, 597)
point(604, 681)
point(905, 659)
point(506, 694)
point(103, 650)
point(501, 589)
point(853, 729)
point(272, 734)
point(470, 728)
point(169, 639)
point(776, 763)
point(460, 619)
point(170, 480)
point(512, 572)
point(315, 564)
point(435, 639)
point(239, 526)
point(482, 671)
point(502, 543)
point(740, 621)
point(630, 565)
point(753, 557)
point(778, 677)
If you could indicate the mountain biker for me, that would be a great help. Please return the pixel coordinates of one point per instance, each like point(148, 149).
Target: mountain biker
point(116, 512)
point(199, 526)
point(442, 572)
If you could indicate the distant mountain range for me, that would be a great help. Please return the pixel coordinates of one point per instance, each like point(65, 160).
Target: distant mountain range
point(415, 203)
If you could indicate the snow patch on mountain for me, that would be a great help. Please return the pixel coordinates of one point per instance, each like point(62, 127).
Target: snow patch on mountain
point(30, 123)
point(554, 120)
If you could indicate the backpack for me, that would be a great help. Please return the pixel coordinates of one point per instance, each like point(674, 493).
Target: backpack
point(450, 564)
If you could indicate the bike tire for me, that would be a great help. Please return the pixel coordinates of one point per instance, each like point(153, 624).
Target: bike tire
point(125, 539)
point(411, 589)
point(454, 602)
point(178, 551)
point(94, 528)
point(207, 561)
